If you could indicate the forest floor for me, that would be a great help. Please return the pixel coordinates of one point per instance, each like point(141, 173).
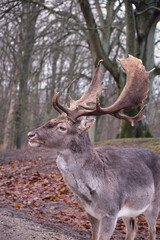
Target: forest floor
point(35, 203)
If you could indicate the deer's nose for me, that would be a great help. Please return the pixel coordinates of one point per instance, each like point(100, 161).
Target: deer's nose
point(31, 135)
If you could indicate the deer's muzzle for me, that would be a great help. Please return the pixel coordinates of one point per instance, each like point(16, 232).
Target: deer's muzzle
point(33, 140)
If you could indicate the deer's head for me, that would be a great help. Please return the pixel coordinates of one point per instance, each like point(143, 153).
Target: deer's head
point(58, 133)
point(71, 123)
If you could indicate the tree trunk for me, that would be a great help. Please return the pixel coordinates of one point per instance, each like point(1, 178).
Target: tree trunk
point(8, 132)
point(27, 33)
point(145, 28)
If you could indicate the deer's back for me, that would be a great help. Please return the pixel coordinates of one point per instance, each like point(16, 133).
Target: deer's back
point(131, 164)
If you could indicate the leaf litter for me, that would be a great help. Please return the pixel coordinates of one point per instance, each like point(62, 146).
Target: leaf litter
point(36, 185)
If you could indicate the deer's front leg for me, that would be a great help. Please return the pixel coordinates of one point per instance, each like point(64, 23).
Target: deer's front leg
point(95, 226)
point(106, 228)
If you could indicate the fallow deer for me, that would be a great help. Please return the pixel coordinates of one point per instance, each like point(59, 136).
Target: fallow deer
point(108, 182)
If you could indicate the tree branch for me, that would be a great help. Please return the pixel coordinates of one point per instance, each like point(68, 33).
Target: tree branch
point(100, 14)
point(147, 9)
point(95, 40)
point(8, 10)
point(130, 25)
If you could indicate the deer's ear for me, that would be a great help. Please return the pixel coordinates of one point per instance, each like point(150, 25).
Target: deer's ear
point(85, 124)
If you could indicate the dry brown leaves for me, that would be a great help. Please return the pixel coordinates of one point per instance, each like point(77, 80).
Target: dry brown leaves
point(45, 195)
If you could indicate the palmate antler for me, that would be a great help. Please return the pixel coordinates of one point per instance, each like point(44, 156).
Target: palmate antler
point(132, 96)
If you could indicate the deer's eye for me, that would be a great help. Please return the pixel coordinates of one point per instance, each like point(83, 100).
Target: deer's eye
point(62, 128)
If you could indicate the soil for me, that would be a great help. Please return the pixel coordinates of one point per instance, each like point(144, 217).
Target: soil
point(21, 223)
point(27, 222)
point(18, 225)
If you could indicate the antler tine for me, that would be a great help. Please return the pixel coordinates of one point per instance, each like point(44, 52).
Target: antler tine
point(54, 103)
point(68, 90)
point(136, 118)
point(89, 96)
point(94, 88)
point(57, 105)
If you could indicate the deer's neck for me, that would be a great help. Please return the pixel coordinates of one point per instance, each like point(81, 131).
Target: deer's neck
point(73, 163)
point(78, 148)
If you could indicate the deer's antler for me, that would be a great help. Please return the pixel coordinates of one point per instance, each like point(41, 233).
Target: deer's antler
point(132, 96)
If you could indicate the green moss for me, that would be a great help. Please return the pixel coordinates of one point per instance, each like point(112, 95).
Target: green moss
point(156, 148)
point(152, 143)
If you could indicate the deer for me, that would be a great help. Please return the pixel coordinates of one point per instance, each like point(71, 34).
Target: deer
point(108, 182)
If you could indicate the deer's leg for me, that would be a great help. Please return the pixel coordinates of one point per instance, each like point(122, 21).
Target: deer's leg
point(106, 228)
point(131, 227)
point(151, 215)
point(95, 227)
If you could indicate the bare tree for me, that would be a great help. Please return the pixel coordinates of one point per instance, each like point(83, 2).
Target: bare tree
point(48, 44)
point(22, 55)
point(140, 26)
point(44, 60)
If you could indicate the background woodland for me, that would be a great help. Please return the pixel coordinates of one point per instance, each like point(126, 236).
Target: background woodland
point(45, 44)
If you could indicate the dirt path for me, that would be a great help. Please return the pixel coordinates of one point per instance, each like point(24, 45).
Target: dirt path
point(14, 227)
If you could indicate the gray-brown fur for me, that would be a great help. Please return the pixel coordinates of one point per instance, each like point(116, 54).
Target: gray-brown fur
point(108, 182)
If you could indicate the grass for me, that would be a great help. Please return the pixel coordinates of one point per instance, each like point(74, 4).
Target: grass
point(152, 143)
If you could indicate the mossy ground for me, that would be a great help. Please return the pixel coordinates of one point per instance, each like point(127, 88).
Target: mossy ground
point(152, 143)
